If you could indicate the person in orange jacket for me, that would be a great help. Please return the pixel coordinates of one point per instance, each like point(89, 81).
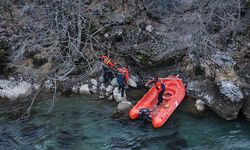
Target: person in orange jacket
point(160, 87)
point(122, 79)
point(108, 65)
point(124, 71)
point(107, 61)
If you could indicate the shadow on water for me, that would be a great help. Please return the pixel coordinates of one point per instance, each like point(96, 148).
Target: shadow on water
point(144, 136)
point(146, 141)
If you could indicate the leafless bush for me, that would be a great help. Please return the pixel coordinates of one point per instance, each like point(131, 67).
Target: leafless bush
point(62, 31)
point(67, 32)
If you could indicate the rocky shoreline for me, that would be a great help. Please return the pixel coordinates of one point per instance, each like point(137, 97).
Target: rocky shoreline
point(224, 97)
point(16, 89)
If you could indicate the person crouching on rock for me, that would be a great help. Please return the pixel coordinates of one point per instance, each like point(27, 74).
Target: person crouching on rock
point(108, 65)
point(122, 79)
point(160, 87)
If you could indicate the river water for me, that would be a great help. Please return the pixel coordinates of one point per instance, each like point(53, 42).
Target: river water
point(87, 123)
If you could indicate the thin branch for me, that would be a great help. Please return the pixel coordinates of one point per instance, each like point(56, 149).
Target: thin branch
point(33, 100)
point(54, 97)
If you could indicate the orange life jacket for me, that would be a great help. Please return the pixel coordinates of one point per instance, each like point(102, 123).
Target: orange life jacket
point(107, 61)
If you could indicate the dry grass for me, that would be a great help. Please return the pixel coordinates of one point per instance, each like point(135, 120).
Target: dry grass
point(228, 74)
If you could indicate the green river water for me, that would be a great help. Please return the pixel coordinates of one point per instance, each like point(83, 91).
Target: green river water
point(87, 123)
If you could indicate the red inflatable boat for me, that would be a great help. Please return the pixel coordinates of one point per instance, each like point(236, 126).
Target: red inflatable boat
point(175, 93)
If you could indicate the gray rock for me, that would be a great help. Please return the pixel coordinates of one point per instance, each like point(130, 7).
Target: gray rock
point(214, 99)
point(13, 90)
point(135, 78)
point(149, 28)
point(75, 89)
point(12, 78)
point(230, 90)
point(102, 87)
point(84, 89)
point(223, 59)
point(109, 88)
point(101, 96)
point(106, 35)
point(110, 97)
point(94, 82)
point(102, 93)
point(102, 90)
point(93, 89)
point(107, 94)
point(117, 95)
point(132, 83)
point(200, 105)
point(124, 106)
point(101, 78)
point(114, 82)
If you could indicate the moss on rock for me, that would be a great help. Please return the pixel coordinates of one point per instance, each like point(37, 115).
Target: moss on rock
point(144, 58)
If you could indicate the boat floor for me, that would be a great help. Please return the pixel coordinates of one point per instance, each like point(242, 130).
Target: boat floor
point(165, 104)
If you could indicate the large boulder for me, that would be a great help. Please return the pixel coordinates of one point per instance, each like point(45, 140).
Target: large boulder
point(230, 91)
point(117, 95)
point(13, 90)
point(84, 89)
point(94, 82)
point(124, 106)
point(132, 82)
point(226, 106)
point(114, 82)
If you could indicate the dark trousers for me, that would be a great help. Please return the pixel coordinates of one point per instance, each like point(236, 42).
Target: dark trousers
point(160, 98)
point(108, 75)
point(121, 86)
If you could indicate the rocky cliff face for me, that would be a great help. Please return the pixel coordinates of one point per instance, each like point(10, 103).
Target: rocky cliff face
point(206, 42)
